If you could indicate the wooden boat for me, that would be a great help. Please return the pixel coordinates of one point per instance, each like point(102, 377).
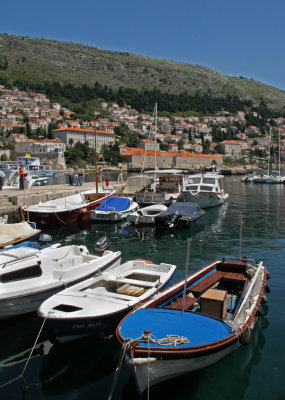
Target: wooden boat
point(98, 304)
point(11, 234)
point(180, 331)
point(146, 215)
point(179, 214)
point(67, 209)
point(26, 283)
point(114, 209)
point(205, 188)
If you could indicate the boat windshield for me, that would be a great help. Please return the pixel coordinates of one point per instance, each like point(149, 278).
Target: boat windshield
point(211, 181)
point(194, 180)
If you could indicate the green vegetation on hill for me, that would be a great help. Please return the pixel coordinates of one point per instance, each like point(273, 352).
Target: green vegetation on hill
point(58, 67)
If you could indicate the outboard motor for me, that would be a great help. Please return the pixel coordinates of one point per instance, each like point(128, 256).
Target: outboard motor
point(173, 218)
point(101, 245)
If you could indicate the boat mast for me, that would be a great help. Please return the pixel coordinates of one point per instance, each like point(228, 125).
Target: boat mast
point(269, 151)
point(96, 167)
point(279, 161)
point(155, 132)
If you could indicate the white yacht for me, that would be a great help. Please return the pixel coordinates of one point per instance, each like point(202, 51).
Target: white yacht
point(206, 189)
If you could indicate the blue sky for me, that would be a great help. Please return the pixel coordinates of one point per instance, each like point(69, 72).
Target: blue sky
point(237, 38)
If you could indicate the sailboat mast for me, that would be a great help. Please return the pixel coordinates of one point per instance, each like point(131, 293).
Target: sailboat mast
point(279, 161)
point(269, 151)
point(96, 168)
point(155, 132)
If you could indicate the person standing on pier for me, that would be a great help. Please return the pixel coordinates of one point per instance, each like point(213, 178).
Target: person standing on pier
point(2, 176)
point(120, 175)
point(80, 176)
point(70, 175)
point(22, 174)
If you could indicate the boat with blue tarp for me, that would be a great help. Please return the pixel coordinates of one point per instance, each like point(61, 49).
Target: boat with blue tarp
point(179, 214)
point(114, 209)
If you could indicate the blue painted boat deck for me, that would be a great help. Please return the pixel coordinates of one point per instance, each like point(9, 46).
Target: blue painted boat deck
point(199, 329)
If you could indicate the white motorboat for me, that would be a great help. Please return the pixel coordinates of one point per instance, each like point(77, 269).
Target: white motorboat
point(98, 304)
point(26, 283)
point(114, 209)
point(146, 215)
point(67, 209)
point(206, 189)
point(11, 234)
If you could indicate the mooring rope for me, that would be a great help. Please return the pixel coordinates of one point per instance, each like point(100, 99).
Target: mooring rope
point(125, 346)
point(21, 376)
point(170, 340)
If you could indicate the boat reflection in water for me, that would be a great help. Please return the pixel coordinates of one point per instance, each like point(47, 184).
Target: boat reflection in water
point(72, 365)
point(22, 332)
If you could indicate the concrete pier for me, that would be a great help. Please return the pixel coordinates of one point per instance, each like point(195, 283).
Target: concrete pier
point(11, 199)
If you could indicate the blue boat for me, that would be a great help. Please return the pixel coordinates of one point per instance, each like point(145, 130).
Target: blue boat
point(114, 209)
point(179, 214)
point(195, 323)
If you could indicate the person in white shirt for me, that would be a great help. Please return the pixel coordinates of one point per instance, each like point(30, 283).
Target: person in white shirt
point(2, 177)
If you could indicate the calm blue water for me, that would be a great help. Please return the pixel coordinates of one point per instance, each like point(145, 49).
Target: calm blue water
point(84, 369)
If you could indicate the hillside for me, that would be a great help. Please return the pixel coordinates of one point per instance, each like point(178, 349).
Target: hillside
point(41, 60)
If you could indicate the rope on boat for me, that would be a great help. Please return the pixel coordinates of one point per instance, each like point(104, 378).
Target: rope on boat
point(124, 349)
point(170, 340)
point(21, 376)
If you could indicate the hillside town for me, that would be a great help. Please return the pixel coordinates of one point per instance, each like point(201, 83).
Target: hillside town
point(189, 142)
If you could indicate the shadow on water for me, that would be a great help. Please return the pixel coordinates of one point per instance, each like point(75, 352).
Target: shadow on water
point(69, 366)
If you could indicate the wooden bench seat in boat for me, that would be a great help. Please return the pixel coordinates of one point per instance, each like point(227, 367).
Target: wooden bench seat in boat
point(190, 300)
point(210, 280)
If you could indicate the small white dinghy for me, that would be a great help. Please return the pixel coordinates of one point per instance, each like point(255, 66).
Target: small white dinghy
point(114, 209)
point(26, 282)
point(99, 303)
point(146, 215)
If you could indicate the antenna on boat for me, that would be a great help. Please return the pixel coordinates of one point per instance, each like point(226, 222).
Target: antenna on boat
point(186, 273)
point(240, 236)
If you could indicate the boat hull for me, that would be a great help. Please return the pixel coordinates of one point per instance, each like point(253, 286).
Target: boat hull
point(205, 200)
point(65, 215)
point(24, 304)
point(112, 216)
point(152, 373)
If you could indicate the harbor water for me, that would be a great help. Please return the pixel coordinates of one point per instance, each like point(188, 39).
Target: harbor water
point(251, 223)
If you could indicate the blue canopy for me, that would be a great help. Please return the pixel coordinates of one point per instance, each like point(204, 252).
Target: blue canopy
point(198, 328)
point(115, 204)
